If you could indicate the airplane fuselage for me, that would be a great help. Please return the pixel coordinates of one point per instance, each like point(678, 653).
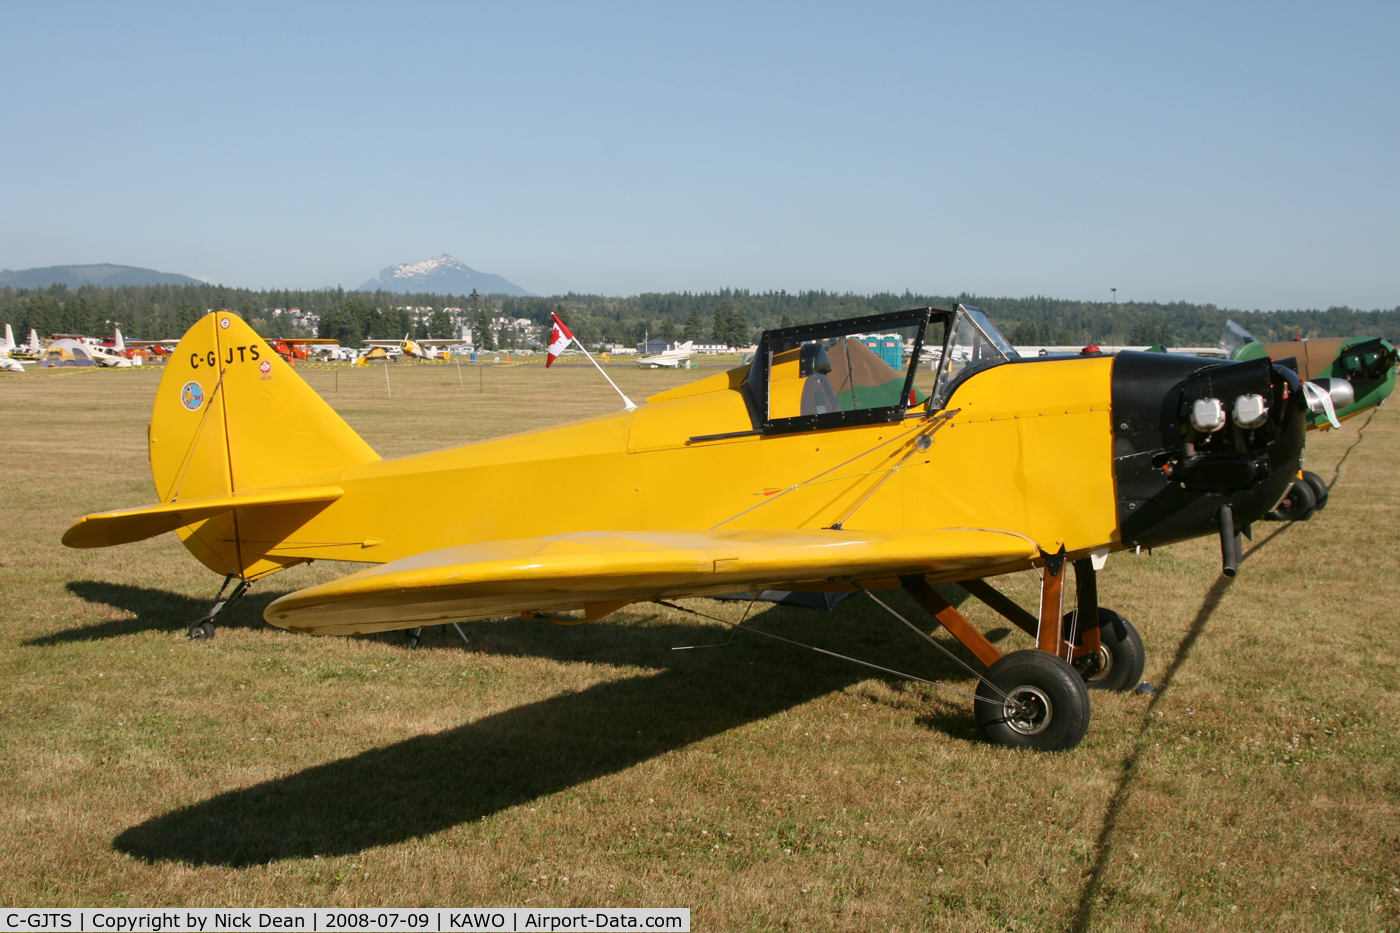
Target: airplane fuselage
point(1030, 448)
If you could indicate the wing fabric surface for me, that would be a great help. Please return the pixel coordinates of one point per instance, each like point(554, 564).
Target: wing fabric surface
point(123, 526)
point(568, 571)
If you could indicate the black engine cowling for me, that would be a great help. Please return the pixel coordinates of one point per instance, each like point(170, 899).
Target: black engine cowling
point(1174, 473)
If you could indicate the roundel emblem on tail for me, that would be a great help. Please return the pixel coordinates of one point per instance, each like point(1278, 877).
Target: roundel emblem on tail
point(223, 322)
point(192, 395)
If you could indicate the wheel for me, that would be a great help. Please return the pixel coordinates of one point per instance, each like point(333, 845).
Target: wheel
point(1297, 505)
point(201, 631)
point(1319, 488)
point(1119, 663)
point(1032, 699)
point(415, 636)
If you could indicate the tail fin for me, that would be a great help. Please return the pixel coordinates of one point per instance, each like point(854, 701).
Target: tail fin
point(9, 343)
point(231, 416)
point(118, 344)
point(34, 344)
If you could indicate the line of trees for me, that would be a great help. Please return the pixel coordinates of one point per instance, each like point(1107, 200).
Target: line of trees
point(733, 316)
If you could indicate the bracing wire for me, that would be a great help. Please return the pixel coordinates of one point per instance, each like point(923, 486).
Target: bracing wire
point(925, 636)
point(832, 654)
point(944, 416)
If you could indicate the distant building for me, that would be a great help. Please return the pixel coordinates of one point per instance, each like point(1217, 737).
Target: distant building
point(309, 320)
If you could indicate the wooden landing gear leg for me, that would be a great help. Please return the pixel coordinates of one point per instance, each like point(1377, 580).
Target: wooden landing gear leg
point(952, 620)
point(1048, 636)
point(1107, 650)
point(1099, 643)
point(1086, 609)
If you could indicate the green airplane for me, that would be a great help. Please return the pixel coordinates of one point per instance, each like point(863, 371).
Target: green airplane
point(1353, 374)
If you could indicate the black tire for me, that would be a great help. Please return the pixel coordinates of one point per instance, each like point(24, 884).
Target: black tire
point(1032, 699)
point(1121, 658)
point(1297, 504)
point(1319, 488)
point(201, 631)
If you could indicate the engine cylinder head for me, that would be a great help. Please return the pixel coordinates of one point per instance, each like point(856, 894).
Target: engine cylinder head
point(1207, 415)
point(1251, 411)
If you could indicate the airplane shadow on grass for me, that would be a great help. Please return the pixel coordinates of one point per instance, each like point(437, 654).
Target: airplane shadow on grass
point(430, 783)
point(155, 610)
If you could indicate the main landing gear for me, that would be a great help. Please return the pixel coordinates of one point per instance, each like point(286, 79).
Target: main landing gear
point(1120, 659)
point(1039, 698)
point(1307, 495)
point(203, 630)
point(1030, 699)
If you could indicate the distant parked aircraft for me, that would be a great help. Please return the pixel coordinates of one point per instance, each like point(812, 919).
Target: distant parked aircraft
point(112, 358)
point(1113, 349)
point(670, 359)
point(292, 349)
point(429, 348)
point(1358, 373)
point(5, 347)
point(32, 350)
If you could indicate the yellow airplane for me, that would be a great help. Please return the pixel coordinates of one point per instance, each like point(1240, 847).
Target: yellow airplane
point(820, 467)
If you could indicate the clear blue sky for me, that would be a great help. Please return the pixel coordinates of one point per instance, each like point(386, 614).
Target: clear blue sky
point(1247, 155)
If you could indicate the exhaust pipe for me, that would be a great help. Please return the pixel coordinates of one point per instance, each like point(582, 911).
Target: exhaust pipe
point(1231, 547)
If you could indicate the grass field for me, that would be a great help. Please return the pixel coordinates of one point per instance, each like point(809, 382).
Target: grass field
point(764, 787)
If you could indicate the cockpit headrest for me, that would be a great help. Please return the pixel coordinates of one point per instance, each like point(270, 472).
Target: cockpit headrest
point(813, 360)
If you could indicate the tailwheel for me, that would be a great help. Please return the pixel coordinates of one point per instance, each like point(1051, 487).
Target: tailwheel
point(202, 631)
point(1119, 663)
point(1033, 699)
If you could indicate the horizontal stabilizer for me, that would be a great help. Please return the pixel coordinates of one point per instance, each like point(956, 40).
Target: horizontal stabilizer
point(123, 526)
point(568, 571)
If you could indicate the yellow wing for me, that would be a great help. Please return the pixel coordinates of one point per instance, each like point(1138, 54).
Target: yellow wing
point(603, 570)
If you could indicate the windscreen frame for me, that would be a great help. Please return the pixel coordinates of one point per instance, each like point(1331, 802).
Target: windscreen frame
point(945, 385)
point(756, 385)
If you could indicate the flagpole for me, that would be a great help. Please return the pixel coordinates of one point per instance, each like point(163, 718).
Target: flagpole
point(628, 404)
point(561, 330)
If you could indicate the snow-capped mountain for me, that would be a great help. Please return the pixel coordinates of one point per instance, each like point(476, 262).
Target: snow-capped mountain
point(443, 275)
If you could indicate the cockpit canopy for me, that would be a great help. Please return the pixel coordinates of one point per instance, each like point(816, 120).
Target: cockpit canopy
point(869, 369)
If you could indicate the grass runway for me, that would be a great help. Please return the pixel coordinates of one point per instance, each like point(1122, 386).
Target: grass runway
point(761, 786)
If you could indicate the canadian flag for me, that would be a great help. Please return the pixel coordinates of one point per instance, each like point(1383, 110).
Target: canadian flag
point(559, 339)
